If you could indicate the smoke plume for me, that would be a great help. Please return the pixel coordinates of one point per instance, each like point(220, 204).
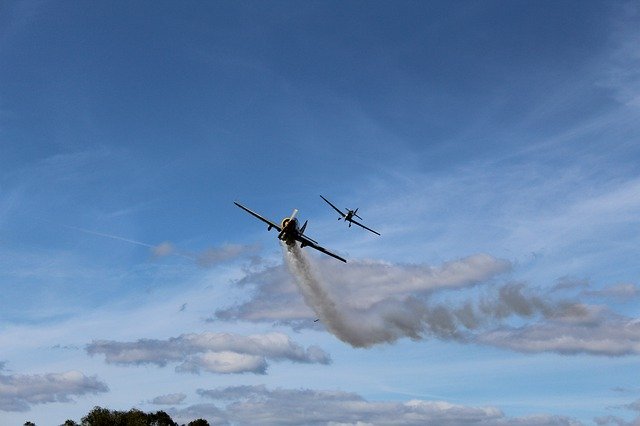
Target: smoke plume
point(385, 321)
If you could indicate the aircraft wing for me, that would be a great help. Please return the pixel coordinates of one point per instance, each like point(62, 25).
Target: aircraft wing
point(361, 225)
point(334, 207)
point(308, 242)
point(267, 221)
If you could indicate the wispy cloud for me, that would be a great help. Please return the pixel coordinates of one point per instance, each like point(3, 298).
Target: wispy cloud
point(622, 74)
point(221, 353)
point(622, 291)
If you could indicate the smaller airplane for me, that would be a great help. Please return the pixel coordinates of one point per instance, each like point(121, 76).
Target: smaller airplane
point(348, 217)
point(290, 232)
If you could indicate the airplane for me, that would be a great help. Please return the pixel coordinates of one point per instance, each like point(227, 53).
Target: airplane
point(349, 216)
point(290, 232)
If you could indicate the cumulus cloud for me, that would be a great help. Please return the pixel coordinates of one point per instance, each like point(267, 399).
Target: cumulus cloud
point(213, 352)
point(169, 399)
point(18, 392)
point(260, 405)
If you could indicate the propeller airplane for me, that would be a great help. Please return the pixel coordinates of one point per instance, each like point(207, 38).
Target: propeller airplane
point(348, 217)
point(290, 232)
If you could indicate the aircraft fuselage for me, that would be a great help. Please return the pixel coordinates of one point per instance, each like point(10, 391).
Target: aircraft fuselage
point(290, 230)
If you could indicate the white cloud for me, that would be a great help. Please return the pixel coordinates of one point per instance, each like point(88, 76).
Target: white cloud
point(610, 336)
point(224, 362)
point(169, 399)
point(260, 405)
point(18, 392)
point(212, 352)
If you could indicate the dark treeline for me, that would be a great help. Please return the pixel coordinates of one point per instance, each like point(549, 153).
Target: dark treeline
point(104, 417)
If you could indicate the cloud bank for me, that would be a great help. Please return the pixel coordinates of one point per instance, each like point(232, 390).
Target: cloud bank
point(369, 303)
point(220, 353)
point(260, 405)
point(362, 303)
point(609, 336)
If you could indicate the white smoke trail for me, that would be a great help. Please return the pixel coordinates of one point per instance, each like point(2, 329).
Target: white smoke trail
point(314, 294)
point(383, 322)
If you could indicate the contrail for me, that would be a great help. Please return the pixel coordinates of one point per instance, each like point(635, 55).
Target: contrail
point(208, 258)
point(113, 237)
point(126, 240)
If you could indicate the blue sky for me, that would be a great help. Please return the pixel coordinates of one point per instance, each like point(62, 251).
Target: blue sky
point(493, 144)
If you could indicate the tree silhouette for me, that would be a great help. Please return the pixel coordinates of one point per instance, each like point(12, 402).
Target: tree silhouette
point(104, 417)
point(99, 416)
point(160, 418)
